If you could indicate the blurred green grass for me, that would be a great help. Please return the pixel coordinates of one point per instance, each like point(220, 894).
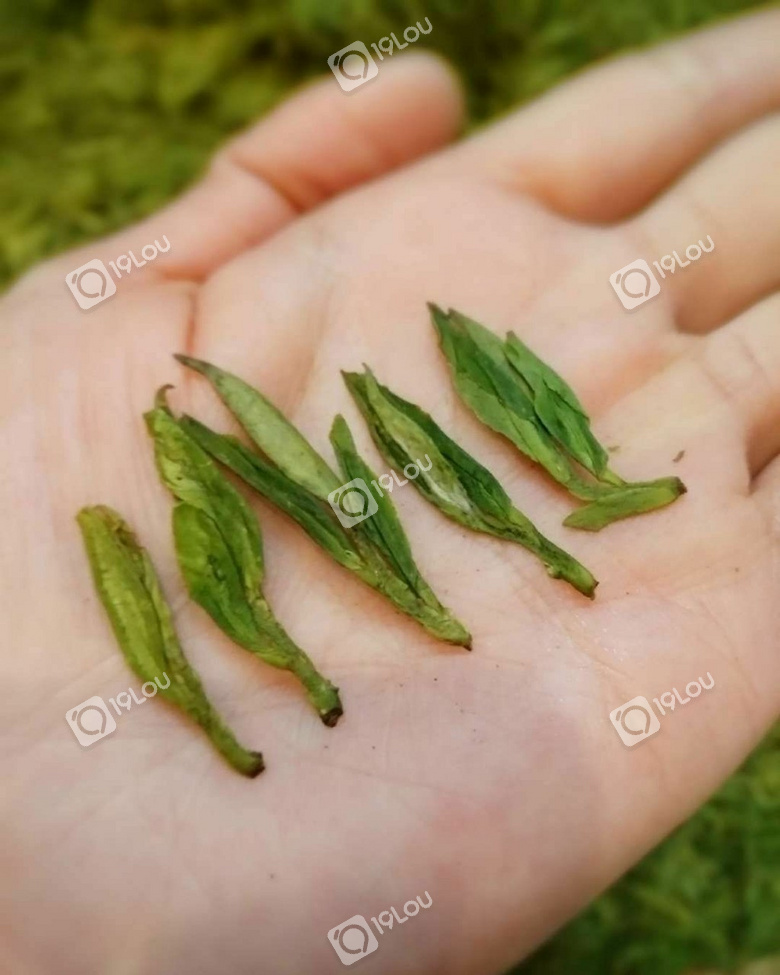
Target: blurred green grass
point(109, 107)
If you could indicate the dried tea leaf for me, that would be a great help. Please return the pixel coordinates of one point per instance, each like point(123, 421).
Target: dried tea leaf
point(500, 381)
point(316, 519)
point(386, 536)
point(488, 385)
point(403, 433)
point(633, 499)
point(383, 529)
point(374, 554)
point(276, 437)
point(219, 549)
point(559, 409)
point(454, 482)
point(129, 589)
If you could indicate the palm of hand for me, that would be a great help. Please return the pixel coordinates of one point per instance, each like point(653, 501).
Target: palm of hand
point(493, 780)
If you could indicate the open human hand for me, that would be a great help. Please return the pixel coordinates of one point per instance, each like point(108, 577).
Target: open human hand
point(492, 780)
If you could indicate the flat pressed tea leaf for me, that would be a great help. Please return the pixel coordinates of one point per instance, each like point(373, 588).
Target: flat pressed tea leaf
point(490, 388)
point(559, 409)
point(378, 554)
point(386, 536)
point(276, 437)
point(129, 589)
point(403, 434)
point(219, 549)
point(564, 417)
point(633, 499)
point(383, 529)
point(316, 519)
point(454, 482)
point(501, 380)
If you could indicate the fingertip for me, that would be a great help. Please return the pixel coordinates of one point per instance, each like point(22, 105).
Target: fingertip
point(434, 89)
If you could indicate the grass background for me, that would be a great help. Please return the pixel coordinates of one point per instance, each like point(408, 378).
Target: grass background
point(109, 107)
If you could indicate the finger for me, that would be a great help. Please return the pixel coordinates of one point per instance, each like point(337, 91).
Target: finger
point(732, 198)
point(713, 416)
point(766, 490)
point(741, 362)
point(320, 142)
point(603, 145)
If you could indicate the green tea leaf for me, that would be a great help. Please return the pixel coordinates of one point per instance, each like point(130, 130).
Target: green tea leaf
point(211, 574)
point(219, 549)
point(130, 591)
point(402, 439)
point(386, 535)
point(383, 529)
point(316, 519)
point(491, 389)
point(625, 502)
point(373, 553)
point(454, 482)
point(276, 437)
point(558, 408)
point(192, 477)
point(514, 392)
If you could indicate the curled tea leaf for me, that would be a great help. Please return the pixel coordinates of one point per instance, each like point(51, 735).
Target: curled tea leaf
point(129, 589)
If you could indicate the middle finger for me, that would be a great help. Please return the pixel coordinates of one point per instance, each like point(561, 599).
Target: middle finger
point(731, 200)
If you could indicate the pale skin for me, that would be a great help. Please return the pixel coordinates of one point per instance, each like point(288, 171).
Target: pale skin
point(493, 780)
